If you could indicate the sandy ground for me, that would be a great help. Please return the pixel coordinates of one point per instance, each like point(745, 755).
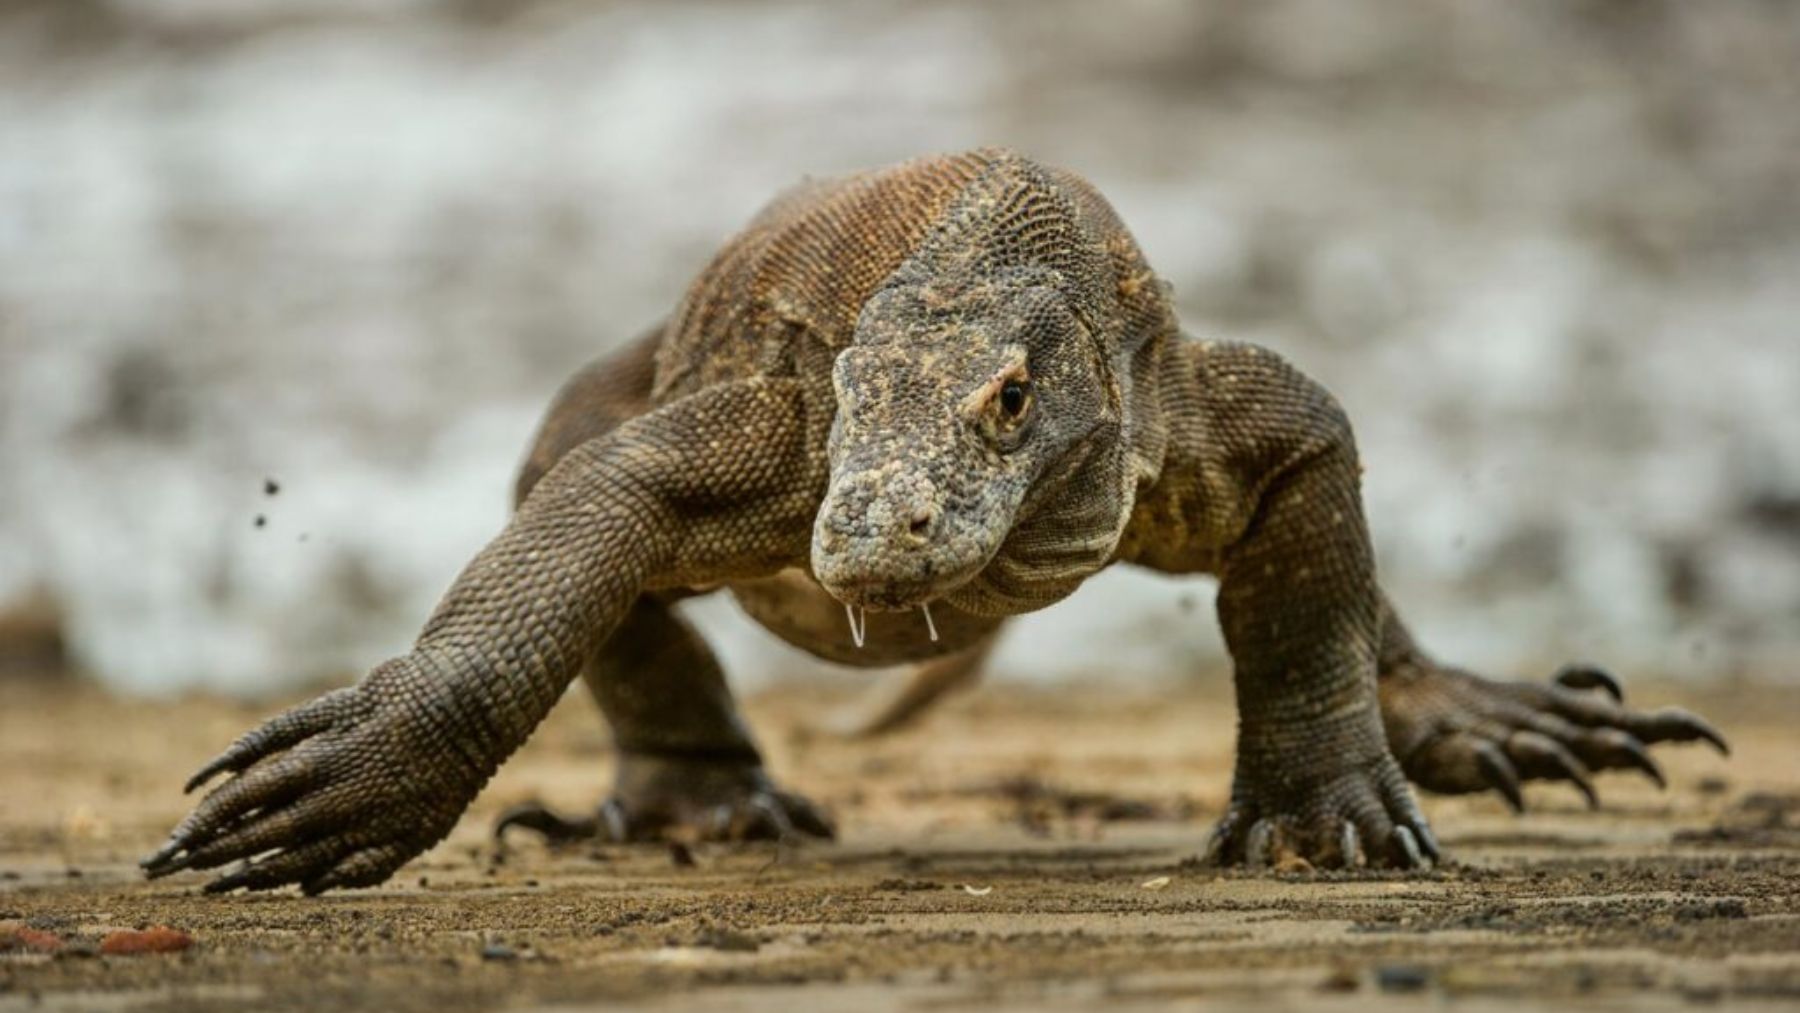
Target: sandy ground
point(1003, 854)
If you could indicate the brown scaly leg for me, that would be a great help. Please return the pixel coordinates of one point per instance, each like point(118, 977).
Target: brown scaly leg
point(1261, 483)
point(687, 766)
point(1456, 732)
point(686, 761)
point(343, 790)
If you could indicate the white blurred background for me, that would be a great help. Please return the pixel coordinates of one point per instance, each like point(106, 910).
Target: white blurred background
point(1547, 253)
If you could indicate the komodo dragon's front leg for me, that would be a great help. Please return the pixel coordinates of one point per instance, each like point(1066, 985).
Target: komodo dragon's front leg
point(343, 790)
point(1262, 476)
point(685, 761)
point(1335, 699)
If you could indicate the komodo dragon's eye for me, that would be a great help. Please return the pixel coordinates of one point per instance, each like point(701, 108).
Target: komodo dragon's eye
point(1013, 396)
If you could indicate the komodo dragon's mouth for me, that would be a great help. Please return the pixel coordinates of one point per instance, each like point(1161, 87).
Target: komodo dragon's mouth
point(901, 580)
point(860, 599)
point(859, 622)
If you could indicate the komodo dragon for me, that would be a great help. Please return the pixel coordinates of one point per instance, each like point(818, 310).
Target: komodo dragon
point(926, 398)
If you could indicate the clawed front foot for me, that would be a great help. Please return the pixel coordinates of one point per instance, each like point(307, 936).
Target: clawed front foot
point(337, 792)
point(1322, 788)
point(659, 797)
point(1364, 815)
point(1455, 732)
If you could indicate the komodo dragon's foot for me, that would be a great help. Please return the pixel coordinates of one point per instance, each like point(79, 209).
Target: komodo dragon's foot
point(681, 798)
point(1286, 808)
point(1455, 732)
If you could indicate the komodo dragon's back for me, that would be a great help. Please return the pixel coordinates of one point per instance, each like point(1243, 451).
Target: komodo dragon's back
point(789, 287)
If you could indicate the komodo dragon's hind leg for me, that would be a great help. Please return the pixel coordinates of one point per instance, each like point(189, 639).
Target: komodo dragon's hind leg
point(686, 761)
point(1456, 732)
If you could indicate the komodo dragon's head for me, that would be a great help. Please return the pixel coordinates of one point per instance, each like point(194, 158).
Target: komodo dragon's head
point(982, 450)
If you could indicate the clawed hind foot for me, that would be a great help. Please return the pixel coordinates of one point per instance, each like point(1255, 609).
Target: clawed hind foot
point(660, 798)
point(1456, 733)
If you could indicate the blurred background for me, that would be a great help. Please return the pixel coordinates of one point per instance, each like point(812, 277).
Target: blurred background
point(284, 285)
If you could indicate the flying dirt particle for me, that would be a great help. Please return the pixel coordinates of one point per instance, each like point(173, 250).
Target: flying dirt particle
point(157, 939)
point(681, 855)
point(260, 522)
point(1159, 883)
point(271, 487)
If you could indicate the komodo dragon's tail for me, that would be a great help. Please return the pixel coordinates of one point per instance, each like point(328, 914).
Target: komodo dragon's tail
point(901, 698)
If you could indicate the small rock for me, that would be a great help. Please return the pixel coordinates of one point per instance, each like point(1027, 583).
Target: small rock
point(18, 936)
point(1293, 864)
point(499, 951)
point(1159, 883)
point(902, 885)
point(1402, 977)
point(728, 940)
point(1724, 907)
point(1342, 978)
point(157, 939)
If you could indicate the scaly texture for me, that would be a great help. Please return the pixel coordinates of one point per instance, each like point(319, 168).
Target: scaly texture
point(951, 386)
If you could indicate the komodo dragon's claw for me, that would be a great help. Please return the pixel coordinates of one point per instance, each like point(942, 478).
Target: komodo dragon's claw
point(1578, 676)
point(539, 818)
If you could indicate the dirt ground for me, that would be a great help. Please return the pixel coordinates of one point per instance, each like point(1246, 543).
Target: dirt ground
point(1007, 853)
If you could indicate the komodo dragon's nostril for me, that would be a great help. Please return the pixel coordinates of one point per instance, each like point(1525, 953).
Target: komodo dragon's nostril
point(920, 522)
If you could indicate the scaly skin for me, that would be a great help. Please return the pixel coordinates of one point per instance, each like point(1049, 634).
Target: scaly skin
point(951, 383)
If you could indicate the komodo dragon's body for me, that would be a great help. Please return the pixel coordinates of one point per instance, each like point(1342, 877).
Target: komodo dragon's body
point(928, 397)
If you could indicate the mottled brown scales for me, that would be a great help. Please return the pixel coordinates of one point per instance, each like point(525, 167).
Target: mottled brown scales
point(952, 385)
